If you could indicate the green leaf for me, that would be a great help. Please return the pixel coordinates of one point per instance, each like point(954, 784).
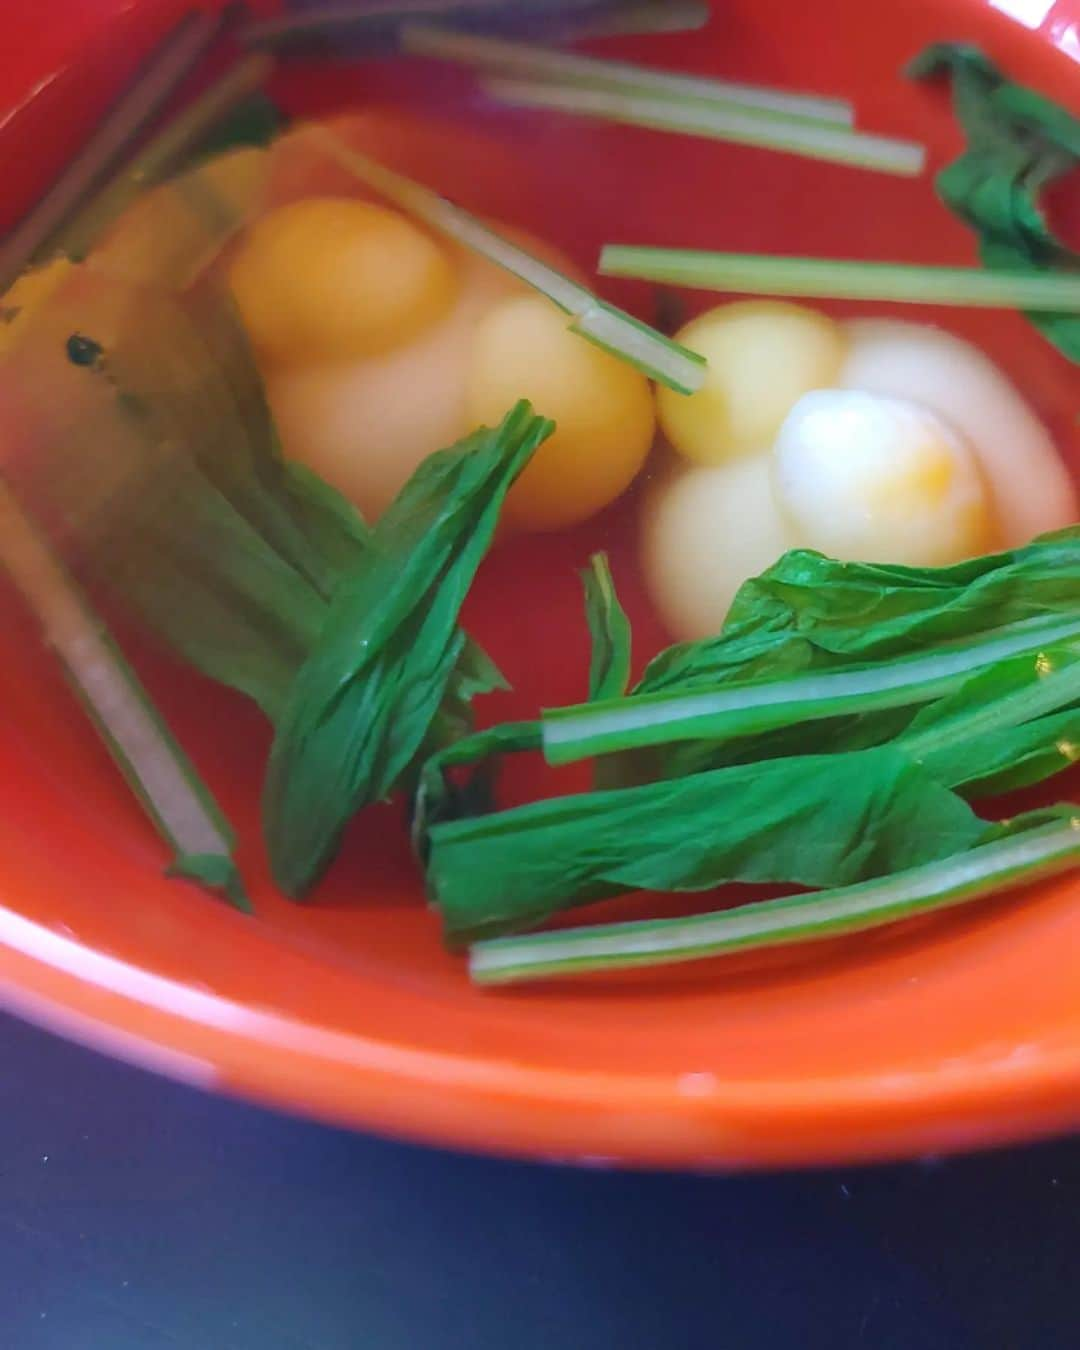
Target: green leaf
point(438, 798)
point(1018, 144)
point(737, 710)
point(365, 699)
point(809, 612)
point(813, 820)
point(609, 629)
point(1031, 848)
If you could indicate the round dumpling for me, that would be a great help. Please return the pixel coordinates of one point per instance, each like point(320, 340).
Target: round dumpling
point(1030, 488)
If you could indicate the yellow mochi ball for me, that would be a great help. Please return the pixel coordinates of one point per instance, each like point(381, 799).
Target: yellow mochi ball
point(603, 411)
point(763, 356)
point(329, 279)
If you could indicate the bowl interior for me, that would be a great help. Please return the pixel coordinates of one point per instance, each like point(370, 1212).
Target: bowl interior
point(953, 1031)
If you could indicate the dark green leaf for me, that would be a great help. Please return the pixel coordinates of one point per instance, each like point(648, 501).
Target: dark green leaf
point(808, 612)
point(1029, 848)
point(1018, 144)
point(363, 704)
point(609, 629)
point(815, 821)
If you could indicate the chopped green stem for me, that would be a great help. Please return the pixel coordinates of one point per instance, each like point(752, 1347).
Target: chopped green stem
point(586, 18)
point(657, 356)
point(648, 16)
point(165, 152)
point(743, 708)
point(135, 733)
point(527, 62)
point(764, 274)
point(169, 64)
point(983, 871)
point(739, 126)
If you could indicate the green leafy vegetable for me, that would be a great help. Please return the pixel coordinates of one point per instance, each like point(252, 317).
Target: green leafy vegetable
point(438, 799)
point(165, 69)
point(1031, 848)
point(743, 708)
point(161, 471)
point(1019, 143)
point(186, 138)
point(361, 707)
point(969, 675)
point(811, 613)
point(609, 629)
point(813, 820)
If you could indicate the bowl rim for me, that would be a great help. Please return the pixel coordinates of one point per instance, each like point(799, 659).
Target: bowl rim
point(694, 1121)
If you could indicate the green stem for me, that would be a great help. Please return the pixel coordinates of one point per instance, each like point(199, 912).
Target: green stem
point(164, 153)
point(168, 65)
point(359, 20)
point(1053, 688)
point(983, 871)
point(649, 351)
point(136, 735)
point(743, 708)
point(525, 61)
point(825, 278)
point(738, 126)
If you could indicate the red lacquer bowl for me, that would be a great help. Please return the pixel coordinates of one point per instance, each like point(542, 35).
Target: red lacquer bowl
point(961, 1032)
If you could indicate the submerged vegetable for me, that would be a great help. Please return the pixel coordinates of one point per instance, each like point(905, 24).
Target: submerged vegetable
point(160, 467)
point(137, 737)
point(832, 279)
point(1031, 849)
point(367, 698)
point(169, 64)
point(813, 821)
point(1019, 144)
point(526, 61)
point(716, 121)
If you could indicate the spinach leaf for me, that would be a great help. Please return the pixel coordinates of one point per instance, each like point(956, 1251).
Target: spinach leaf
point(361, 707)
point(810, 820)
point(738, 710)
point(609, 629)
point(1027, 849)
point(1018, 144)
point(809, 612)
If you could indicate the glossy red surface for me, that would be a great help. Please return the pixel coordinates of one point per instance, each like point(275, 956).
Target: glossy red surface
point(959, 1032)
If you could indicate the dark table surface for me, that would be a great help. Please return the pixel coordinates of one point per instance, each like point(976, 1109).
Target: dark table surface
point(136, 1214)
